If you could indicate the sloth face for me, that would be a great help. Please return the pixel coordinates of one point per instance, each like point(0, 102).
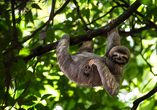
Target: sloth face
point(119, 54)
point(119, 58)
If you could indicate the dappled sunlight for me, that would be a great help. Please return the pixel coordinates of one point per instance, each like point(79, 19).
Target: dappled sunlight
point(30, 75)
point(58, 108)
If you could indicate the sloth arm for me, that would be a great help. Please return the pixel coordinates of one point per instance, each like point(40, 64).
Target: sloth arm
point(108, 80)
point(113, 39)
point(63, 55)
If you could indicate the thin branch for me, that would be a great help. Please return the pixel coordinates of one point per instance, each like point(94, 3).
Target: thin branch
point(28, 82)
point(104, 14)
point(20, 5)
point(51, 17)
point(6, 41)
point(140, 14)
point(119, 4)
point(139, 100)
point(79, 12)
point(151, 70)
point(14, 24)
point(150, 66)
point(58, 11)
point(147, 83)
point(126, 3)
point(38, 59)
point(134, 31)
point(150, 22)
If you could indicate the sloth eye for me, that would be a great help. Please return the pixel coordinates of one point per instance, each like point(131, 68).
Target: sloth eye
point(125, 57)
point(114, 55)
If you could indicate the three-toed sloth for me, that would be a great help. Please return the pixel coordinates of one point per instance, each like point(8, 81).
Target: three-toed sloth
point(88, 69)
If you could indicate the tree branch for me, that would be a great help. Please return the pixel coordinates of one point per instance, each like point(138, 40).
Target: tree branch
point(137, 101)
point(134, 31)
point(79, 12)
point(58, 11)
point(77, 39)
point(15, 37)
point(104, 14)
point(150, 66)
point(19, 6)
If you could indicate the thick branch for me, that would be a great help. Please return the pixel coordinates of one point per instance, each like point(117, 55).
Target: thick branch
point(137, 101)
point(77, 39)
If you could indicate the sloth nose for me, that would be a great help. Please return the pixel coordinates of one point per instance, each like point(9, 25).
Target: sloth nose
point(119, 57)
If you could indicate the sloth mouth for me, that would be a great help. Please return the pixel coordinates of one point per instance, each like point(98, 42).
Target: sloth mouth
point(119, 60)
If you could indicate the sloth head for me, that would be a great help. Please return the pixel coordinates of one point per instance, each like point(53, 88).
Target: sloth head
point(119, 55)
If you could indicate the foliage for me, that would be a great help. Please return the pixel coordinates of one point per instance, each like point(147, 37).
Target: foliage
point(36, 83)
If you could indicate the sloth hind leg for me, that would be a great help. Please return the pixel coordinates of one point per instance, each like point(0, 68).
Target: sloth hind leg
point(86, 47)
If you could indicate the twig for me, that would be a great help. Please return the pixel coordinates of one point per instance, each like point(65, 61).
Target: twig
point(51, 14)
point(58, 11)
point(148, 82)
point(38, 59)
point(134, 31)
point(104, 14)
point(151, 70)
point(28, 82)
point(20, 5)
point(48, 22)
point(79, 12)
point(137, 101)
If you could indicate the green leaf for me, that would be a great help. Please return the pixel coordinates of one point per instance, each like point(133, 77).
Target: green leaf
point(147, 105)
point(22, 86)
point(94, 107)
point(27, 100)
point(86, 13)
point(40, 107)
point(29, 17)
point(24, 51)
point(79, 106)
point(145, 2)
point(45, 96)
point(2, 67)
point(34, 5)
point(148, 48)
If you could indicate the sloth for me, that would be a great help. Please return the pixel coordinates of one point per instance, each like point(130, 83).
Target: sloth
point(88, 69)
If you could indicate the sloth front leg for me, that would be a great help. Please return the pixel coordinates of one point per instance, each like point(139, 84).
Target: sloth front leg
point(86, 47)
point(108, 80)
point(63, 44)
point(63, 55)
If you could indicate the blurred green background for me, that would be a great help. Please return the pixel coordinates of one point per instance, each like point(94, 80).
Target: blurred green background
point(39, 84)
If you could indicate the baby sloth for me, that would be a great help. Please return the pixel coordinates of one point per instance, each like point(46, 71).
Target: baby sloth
point(88, 69)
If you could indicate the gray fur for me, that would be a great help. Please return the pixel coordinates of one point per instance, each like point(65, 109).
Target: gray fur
point(104, 71)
